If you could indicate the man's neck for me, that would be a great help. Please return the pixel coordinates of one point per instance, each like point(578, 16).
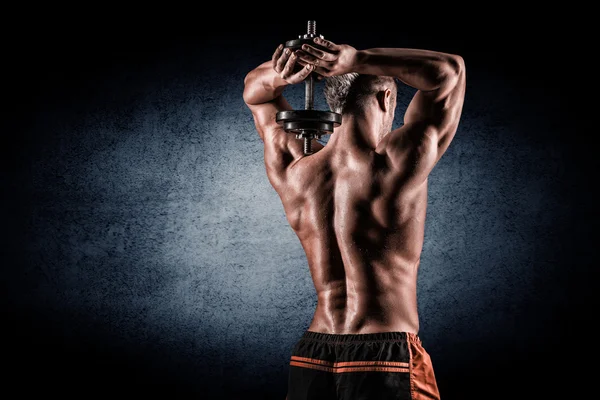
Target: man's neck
point(359, 132)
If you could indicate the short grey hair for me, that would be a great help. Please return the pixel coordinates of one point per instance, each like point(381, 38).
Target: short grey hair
point(349, 92)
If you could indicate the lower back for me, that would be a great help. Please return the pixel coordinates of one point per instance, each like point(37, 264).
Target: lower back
point(364, 296)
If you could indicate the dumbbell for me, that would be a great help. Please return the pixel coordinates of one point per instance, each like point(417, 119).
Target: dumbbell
point(308, 124)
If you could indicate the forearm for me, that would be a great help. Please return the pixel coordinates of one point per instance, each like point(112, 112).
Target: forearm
point(263, 84)
point(422, 69)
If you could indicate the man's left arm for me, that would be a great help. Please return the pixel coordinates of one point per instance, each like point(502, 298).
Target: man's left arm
point(263, 88)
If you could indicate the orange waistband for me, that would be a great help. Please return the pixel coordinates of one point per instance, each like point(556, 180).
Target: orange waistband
point(394, 336)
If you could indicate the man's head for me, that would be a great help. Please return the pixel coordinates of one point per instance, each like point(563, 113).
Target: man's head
point(359, 94)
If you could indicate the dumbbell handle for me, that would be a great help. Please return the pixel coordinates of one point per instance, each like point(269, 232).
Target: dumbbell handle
point(309, 92)
point(311, 30)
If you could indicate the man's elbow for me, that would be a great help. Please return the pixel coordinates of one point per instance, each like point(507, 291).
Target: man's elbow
point(454, 66)
point(450, 75)
point(247, 94)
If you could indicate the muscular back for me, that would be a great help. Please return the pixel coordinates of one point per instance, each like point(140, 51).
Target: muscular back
point(360, 221)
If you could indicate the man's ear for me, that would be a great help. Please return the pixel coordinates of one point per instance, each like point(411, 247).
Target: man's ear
point(384, 98)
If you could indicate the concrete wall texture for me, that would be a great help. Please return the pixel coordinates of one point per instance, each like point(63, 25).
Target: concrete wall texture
point(151, 249)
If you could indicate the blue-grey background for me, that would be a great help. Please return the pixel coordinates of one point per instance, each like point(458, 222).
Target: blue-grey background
point(146, 253)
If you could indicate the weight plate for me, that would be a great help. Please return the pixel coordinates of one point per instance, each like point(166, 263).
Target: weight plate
point(309, 116)
point(307, 126)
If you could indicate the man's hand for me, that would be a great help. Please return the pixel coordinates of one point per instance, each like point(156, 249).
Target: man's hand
point(338, 59)
point(284, 63)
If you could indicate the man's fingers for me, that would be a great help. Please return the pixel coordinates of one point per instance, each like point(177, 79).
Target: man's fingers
point(282, 60)
point(288, 68)
point(326, 43)
point(277, 54)
point(311, 58)
point(323, 72)
point(302, 74)
point(320, 54)
point(308, 58)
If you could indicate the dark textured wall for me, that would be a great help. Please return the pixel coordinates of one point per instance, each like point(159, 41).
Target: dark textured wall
point(145, 251)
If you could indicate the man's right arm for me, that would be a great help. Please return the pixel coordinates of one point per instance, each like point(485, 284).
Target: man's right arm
point(432, 118)
point(436, 108)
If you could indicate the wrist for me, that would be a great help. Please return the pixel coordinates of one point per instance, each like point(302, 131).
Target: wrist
point(360, 61)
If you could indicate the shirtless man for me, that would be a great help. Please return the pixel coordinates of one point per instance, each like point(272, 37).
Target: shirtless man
point(358, 207)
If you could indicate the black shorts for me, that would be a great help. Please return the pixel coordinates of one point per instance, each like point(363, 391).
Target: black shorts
point(373, 366)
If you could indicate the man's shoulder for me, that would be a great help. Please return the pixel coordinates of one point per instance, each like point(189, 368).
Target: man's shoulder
point(408, 136)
